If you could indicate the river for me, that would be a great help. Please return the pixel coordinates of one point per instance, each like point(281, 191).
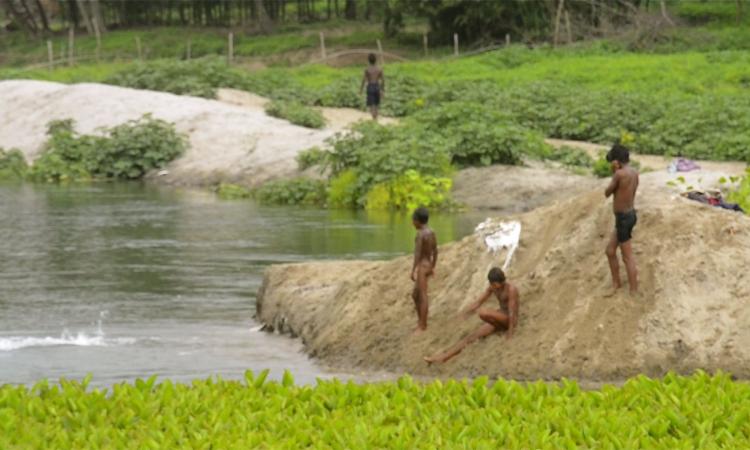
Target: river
point(126, 280)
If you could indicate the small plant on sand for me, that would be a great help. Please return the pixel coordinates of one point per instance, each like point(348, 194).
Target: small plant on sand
point(571, 157)
point(310, 157)
point(741, 194)
point(12, 165)
point(229, 191)
point(296, 113)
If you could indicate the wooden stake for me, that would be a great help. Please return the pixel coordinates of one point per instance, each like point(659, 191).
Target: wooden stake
point(455, 44)
point(567, 27)
point(138, 48)
point(189, 49)
point(50, 55)
point(424, 43)
point(507, 39)
point(322, 46)
point(557, 22)
point(98, 39)
point(71, 45)
point(380, 52)
point(230, 53)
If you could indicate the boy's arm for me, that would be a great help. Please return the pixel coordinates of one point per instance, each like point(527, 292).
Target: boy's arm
point(417, 254)
point(474, 306)
point(434, 252)
point(612, 185)
point(364, 80)
point(513, 310)
point(382, 81)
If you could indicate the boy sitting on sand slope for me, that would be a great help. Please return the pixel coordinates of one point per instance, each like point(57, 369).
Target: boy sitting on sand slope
point(504, 319)
point(623, 185)
point(425, 258)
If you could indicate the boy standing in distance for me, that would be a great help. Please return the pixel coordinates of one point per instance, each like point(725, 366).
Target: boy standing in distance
point(375, 85)
point(425, 258)
point(623, 186)
point(503, 319)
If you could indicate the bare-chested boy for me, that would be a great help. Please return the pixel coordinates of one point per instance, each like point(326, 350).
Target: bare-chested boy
point(425, 258)
point(503, 319)
point(623, 185)
point(375, 85)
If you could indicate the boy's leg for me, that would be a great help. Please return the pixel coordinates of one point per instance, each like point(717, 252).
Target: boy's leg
point(629, 259)
point(422, 305)
point(484, 330)
point(614, 265)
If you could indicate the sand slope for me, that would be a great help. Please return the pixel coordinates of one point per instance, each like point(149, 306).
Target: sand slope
point(227, 142)
point(694, 311)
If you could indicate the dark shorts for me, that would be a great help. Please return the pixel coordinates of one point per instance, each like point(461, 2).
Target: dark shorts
point(624, 223)
point(373, 94)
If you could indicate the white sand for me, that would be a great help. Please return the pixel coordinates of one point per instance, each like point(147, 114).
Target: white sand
point(227, 142)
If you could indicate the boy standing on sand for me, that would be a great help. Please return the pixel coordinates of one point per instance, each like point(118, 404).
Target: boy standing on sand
point(504, 319)
point(375, 85)
point(623, 186)
point(425, 258)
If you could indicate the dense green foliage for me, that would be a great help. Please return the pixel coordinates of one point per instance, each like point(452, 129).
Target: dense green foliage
point(296, 113)
point(12, 165)
point(741, 194)
point(127, 151)
point(297, 191)
point(229, 191)
point(675, 412)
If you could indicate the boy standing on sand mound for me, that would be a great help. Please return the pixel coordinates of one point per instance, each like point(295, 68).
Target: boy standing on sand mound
point(623, 186)
point(425, 258)
point(504, 319)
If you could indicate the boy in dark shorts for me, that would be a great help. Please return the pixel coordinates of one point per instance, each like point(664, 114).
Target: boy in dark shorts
point(425, 258)
point(503, 319)
point(623, 186)
point(375, 85)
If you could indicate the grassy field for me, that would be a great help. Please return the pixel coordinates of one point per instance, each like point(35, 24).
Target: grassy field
point(675, 412)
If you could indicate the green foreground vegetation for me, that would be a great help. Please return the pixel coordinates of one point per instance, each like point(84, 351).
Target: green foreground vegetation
point(675, 412)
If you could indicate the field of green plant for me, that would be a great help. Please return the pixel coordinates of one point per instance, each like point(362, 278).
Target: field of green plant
point(675, 412)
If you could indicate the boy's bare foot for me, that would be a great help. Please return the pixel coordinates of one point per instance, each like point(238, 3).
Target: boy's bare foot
point(429, 360)
point(419, 330)
point(612, 292)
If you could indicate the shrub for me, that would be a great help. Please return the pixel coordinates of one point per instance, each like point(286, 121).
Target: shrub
point(12, 165)
point(673, 412)
point(741, 195)
point(296, 113)
point(342, 190)
point(310, 157)
point(229, 191)
point(602, 168)
point(408, 192)
point(127, 151)
point(571, 157)
point(297, 191)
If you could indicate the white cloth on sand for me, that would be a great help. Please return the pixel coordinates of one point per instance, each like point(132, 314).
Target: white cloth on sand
point(500, 235)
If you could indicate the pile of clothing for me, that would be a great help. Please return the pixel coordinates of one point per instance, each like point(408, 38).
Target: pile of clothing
point(712, 198)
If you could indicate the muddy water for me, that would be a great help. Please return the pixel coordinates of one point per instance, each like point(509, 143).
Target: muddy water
point(125, 281)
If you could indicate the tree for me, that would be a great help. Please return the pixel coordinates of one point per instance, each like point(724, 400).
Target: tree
point(350, 10)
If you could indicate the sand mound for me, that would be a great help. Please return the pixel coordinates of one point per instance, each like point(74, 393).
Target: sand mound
point(227, 142)
point(694, 310)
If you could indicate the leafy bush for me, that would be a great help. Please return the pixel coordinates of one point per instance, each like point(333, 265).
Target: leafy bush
point(229, 191)
point(342, 190)
point(741, 195)
point(571, 157)
point(408, 192)
point(127, 151)
point(700, 411)
point(296, 113)
point(297, 191)
point(12, 165)
point(602, 168)
point(310, 157)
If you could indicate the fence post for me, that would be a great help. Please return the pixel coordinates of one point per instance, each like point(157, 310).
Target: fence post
point(50, 55)
point(138, 48)
point(98, 39)
point(380, 52)
point(424, 43)
point(189, 49)
point(71, 45)
point(567, 27)
point(507, 39)
point(557, 23)
point(323, 46)
point(455, 44)
point(230, 53)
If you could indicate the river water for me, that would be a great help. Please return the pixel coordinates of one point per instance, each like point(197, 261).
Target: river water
point(125, 280)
